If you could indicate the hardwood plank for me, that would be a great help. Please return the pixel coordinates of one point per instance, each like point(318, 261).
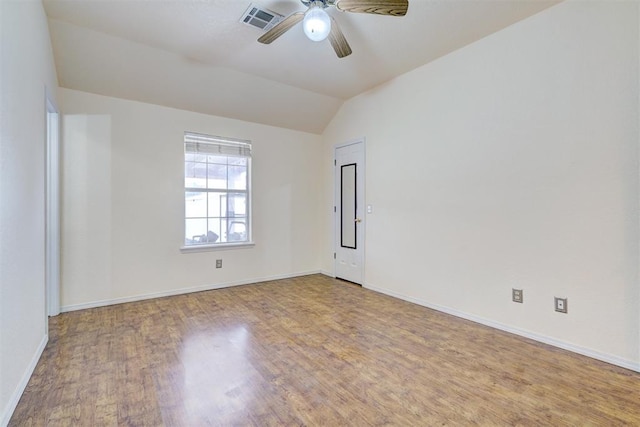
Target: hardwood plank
point(309, 351)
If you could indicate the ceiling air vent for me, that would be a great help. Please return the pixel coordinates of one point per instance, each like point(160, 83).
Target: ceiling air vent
point(260, 17)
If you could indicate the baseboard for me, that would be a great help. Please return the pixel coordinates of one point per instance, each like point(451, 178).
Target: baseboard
point(17, 393)
point(173, 292)
point(627, 364)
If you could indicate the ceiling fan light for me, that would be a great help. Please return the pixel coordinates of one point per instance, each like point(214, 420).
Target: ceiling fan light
point(316, 24)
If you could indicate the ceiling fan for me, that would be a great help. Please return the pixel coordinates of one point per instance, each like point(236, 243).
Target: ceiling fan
point(318, 24)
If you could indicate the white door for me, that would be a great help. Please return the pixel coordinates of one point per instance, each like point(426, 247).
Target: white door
point(349, 211)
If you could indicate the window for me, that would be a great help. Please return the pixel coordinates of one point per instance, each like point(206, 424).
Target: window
point(216, 190)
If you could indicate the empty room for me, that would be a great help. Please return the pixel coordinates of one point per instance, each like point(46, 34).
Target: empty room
point(333, 212)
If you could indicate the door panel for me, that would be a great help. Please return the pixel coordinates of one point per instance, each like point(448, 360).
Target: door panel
point(348, 214)
point(349, 217)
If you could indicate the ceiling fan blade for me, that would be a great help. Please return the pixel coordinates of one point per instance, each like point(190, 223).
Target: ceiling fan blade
point(281, 28)
point(338, 41)
point(379, 7)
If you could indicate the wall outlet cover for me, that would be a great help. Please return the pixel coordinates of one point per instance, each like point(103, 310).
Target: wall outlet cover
point(561, 304)
point(517, 295)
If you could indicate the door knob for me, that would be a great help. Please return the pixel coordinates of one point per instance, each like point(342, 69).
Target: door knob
point(358, 220)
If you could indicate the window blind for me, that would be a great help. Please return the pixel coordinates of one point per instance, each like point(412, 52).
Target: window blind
point(205, 144)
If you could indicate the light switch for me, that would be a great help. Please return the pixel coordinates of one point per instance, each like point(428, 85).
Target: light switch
point(369, 209)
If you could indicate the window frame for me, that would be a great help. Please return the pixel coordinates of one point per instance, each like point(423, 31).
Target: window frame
point(196, 143)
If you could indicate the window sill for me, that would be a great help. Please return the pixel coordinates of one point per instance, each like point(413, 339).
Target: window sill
point(216, 247)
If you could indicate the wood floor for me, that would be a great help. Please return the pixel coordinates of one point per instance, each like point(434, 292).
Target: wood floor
point(309, 351)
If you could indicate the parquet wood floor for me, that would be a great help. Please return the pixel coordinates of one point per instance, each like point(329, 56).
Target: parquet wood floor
point(309, 351)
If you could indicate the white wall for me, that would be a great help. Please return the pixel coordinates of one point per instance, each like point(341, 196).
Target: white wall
point(123, 177)
point(512, 162)
point(26, 68)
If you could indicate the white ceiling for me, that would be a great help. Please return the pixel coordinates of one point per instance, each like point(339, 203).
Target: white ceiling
point(196, 55)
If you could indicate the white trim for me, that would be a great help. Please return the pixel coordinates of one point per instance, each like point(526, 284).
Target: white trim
point(182, 291)
point(50, 96)
point(638, 274)
point(214, 247)
point(624, 363)
point(52, 208)
point(350, 142)
point(22, 385)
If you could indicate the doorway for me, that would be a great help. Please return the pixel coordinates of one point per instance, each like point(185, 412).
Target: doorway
point(349, 211)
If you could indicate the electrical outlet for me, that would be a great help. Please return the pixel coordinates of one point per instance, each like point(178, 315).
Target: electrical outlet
point(218, 263)
point(517, 295)
point(561, 304)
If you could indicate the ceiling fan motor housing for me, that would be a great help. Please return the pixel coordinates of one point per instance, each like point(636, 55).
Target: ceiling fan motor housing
point(323, 3)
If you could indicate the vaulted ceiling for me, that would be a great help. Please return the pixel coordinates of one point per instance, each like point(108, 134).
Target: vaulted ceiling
point(197, 55)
